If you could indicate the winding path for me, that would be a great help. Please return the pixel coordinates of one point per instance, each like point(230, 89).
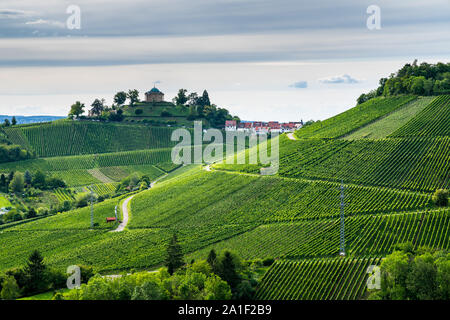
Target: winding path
point(124, 222)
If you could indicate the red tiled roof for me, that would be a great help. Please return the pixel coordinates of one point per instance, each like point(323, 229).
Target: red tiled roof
point(230, 123)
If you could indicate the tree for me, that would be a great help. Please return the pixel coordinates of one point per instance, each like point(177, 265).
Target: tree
point(193, 99)
point(174, 258)
point(440, 197)
point(227, 269)
point(10, 176)
point(149, 290)
point(76, 109)
point(421, 281)
point(28, 178)
point(181, 98)
point(394, 270)
point(30, 214)
point(39, 180)
point(13, 121)
point(17, 183)
point(245, 290)
point(204, 100)
point(36, 274)
point(212, 260)
point(133, 96)
point(10, 289)
point(217, 289)
point(120, 98)
point(53, 183)
point(6, 123)
point(3, 183)
point(97, 107)
point(409, 274)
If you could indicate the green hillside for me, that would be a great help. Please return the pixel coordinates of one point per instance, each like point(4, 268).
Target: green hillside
point(433, 121)
point(391, 154)
point(352, 119)
point(392, 121)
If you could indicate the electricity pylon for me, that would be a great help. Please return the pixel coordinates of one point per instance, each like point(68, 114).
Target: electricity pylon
point(342, 233)
point(92, 208)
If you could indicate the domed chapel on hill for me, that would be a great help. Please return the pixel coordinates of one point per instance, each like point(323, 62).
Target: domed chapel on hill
point(154, 95)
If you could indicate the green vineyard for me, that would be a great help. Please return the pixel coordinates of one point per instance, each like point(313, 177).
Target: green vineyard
point(396, 163)
point(433, 121)
point(389, 155)
point(348, 121)
point(245, 200)
point(365, 235)
point(63, 138)
point(327, 279)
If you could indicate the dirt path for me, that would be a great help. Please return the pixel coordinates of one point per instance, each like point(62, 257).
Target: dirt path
point(125, 214)
point(124, 222)
point(291, 136)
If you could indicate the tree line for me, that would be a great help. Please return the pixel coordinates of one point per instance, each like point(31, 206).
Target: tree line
point(199, 107)
point(414, 274)
point(425, 79)
point(12, 152)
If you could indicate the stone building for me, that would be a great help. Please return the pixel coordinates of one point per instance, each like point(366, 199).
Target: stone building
point(154, 95)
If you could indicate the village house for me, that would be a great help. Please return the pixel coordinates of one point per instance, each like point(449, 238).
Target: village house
point(230, 125)
point(260, 127)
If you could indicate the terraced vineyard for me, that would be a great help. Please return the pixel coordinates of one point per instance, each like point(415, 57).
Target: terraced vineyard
point(388, 124)
point(63, 138)
point(244, 199)
point(350, 120)
point(365, 235)
point(397, 163)
point(327, 279)
point(433, 121)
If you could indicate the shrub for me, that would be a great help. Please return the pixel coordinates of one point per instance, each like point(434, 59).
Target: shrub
point(440, 197)
point(268, 262)
point(138, 111)
point(165, 113)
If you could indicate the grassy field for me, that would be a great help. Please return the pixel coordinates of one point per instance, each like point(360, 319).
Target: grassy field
point(4, 202)
point(44, 296)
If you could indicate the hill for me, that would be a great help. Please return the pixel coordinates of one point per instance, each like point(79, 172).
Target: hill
point(293, 217)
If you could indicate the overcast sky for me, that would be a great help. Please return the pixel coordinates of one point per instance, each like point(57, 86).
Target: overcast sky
point(263, 60)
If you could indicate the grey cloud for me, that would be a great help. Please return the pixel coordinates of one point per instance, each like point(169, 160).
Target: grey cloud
point(14, 14)
point(315, 45)
point(205, 17)
point(339, 79)
point(299, 85)
point(51, 23)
